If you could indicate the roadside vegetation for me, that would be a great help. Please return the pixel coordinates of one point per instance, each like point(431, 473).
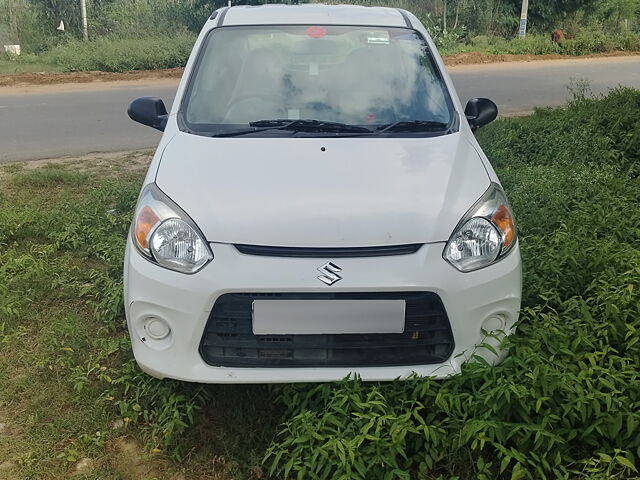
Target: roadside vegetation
point(151, 34)
point(586, 42)
point(564, 405)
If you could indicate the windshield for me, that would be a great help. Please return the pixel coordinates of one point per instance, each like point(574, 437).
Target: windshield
point(371, 77)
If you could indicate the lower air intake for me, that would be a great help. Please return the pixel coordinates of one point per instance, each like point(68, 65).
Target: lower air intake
point(229, 341)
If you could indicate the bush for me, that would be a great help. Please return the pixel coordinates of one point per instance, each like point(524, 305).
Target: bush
point(530, 45)
point(597, 41)
point(481, 41)
point(630, 42)
point(589, 41)
point(586, 42)
point(119, 55)
point(564, 404)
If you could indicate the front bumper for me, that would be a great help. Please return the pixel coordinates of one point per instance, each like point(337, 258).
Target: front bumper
point(487, 299)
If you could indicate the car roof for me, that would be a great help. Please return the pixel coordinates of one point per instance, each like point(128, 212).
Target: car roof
point(310, 14)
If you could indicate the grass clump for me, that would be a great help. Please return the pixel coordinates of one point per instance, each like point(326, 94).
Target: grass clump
point(49, 177)
point(25, 63)
point(106, 54)
point(120, 55)
point(587, 41)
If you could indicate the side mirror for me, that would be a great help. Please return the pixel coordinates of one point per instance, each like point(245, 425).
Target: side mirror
point(480, 111)
point(149, 111)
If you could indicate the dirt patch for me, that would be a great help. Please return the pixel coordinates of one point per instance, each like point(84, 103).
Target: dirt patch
point(7, 430)
point(6, 469)
point(133, 462)
point(104, 164)
point(51, 78)
point(7, 466)
point(475, 58)
point(135, 160)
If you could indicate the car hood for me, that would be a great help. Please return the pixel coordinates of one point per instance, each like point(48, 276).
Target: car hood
point(354, 192)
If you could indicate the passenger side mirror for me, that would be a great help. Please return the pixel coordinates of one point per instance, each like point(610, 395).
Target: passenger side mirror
point(149, 111)
point(480, 111)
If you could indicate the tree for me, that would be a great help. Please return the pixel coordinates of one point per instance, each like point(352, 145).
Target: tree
point(548, 14)
point(619, 14)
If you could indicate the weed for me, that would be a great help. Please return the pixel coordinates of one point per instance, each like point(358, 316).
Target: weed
point(588, 41)
point(48, 177)
point(119, 55)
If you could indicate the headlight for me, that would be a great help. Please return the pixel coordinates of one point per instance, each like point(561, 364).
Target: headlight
point(166, 235)
point(485, 234)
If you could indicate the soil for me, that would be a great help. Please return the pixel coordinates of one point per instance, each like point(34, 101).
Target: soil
point(55, 78)
point(106, 164)
point(51, 78)
point(475, 58)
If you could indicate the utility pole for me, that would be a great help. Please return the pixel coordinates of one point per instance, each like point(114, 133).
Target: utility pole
point(83, 11)
point(522, 31)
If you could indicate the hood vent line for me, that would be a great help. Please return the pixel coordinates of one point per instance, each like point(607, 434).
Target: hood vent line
point(332, 252)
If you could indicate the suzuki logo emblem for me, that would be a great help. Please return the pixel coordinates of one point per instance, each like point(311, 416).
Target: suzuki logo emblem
point(329, 273)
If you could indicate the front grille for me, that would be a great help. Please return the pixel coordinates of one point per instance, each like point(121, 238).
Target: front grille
point(229, 341)
point(329, 252)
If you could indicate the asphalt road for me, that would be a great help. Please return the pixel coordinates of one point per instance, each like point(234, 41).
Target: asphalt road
point(48, 122)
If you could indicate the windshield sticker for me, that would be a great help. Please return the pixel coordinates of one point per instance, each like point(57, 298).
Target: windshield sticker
point(314, 69)
point(316, 32)
point(378, 38)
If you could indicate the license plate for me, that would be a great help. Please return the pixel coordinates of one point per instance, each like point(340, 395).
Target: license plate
point(308, 317)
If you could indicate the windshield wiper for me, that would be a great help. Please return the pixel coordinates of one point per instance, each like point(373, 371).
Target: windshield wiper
point(246, 131)
point(310, 126)
point(412, 126)
point(334, 127)
point(295, 125)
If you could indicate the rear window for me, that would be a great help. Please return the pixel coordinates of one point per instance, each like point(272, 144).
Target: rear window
point(366, 76)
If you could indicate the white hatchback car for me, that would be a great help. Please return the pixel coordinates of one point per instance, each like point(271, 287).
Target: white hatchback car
point(317, 206)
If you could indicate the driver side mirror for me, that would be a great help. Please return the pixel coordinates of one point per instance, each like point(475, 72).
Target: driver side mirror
point(480, 111)
point(149, 111)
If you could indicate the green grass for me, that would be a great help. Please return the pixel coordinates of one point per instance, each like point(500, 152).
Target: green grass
point(107, 54)
point(588, 41)
point(49, 177)
point(565, 403)
point(120, 55)
point(66, 370)
point(27, 63)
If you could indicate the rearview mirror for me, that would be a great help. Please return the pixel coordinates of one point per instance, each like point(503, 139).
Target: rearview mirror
point(480, 111)
point(149, 111)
